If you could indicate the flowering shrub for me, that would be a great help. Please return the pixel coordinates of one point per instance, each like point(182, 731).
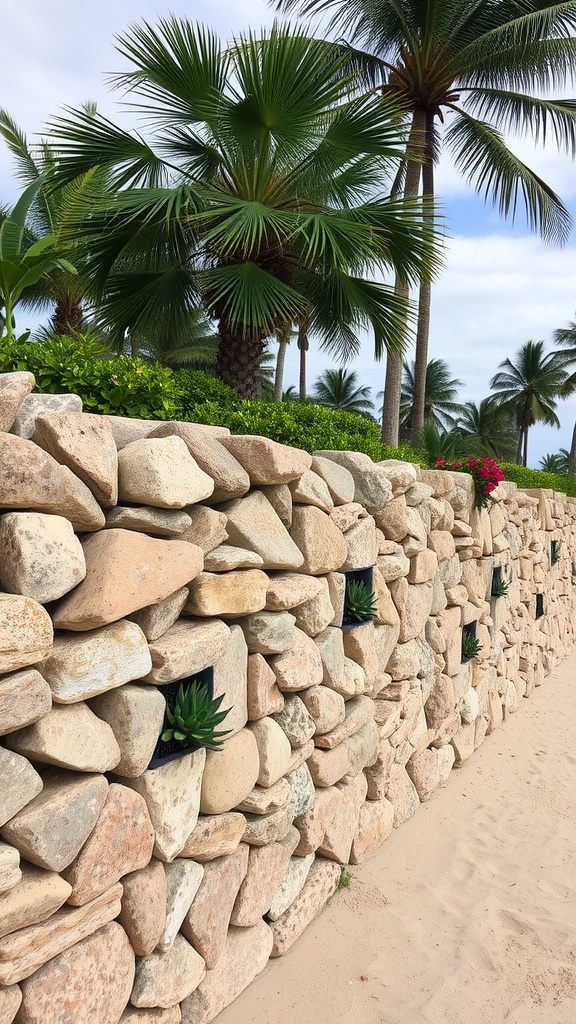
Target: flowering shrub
point(485, 473)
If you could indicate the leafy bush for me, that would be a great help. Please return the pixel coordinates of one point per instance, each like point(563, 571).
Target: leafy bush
point(563, 482)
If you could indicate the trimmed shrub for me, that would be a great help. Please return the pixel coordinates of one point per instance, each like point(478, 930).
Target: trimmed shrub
point(563, 482)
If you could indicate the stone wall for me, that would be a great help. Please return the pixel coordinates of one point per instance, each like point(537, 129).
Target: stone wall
point(133, 554)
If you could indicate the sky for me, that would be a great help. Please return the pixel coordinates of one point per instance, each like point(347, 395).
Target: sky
point(500, 286)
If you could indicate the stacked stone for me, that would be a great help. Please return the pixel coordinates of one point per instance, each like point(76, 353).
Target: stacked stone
point(137, 553)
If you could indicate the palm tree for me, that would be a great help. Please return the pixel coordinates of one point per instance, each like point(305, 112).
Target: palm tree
point(529, 387)
point(557, 463)
point(440, 406)
point(565, 337)
point(480, 62)
point(339, 389)
point(491, 426)
point(259, 194)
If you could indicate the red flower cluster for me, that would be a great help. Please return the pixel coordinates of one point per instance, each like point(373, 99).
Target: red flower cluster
point(486, 475)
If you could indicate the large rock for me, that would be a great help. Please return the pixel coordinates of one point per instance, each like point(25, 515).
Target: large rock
point(226, 558)
point(84, 442)
point(338, 479)
point(264, 697)
point(162, 473)
point(207, 920)
point(207, 527)
point(262, 829)
point(136, 715)
point(266, 868)
point(357, 712)
point(295, 721)
point(215, 835)
point(143, 914)
point(371, 486)
point(183, 879)
point(321, 883)
point(172, 794)
point(40, 555)
point(375, 824)
point(36, 897)
point(13, 390)
point(120, 842)
point(314, 823)
point(274, 751)
point(126, 571)
point(302, 791)
point(230, 681)
point(230, 774)
point(32, 479)
point(69, 736)
point(286, 590)
point(164, 979)
point(325, 707)
point(99, 973)
point(339, 836)
point(299, 667)
point(230, 479)
point(20, 784)
point(311, 489)
point(33, 406)
point(228, 595)
point(318, 612)
point(156, 619)
point(82, 666)
point(53, 827)
point(253, 524)
point(10, 1000)
point(187, 648)
point(266, 461)
point(10, 873)
point(160, 522)
point(402, 794)
point(269, 632)
point(24, 697)
point(155, 1015)
point(319, 539)
point(25, 632)
point(245, 954)
point(280, 497)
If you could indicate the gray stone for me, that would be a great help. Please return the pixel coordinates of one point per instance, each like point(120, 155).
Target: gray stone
point(32, 406)
point(295, 721)
point(160, 522)
point(302, 791)
point(183, 878)
point(269, 632)
point(291, 885)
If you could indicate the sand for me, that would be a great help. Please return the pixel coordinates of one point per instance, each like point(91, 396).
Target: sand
point(467, 914)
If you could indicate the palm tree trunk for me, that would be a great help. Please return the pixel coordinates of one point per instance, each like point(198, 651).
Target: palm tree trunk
point(572, 457)
point(393, 381)
point(67, 318)
point(525, 454)
point(303, 347)
point(279, 376)
point(422, 334)
point(238, 360)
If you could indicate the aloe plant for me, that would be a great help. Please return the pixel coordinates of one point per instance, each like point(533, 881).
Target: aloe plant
point(500, 587)
point(195, 716)
point(471, 646)
point(360, 603)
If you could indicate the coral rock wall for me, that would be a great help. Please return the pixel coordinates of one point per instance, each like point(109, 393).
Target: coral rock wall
point(133, 554)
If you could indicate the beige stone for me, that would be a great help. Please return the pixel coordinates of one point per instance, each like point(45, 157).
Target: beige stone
point(339, 480)
point(269, 632)
point(300, 666)
point(262, 829)
point(266, 461)
point(314, 823)
point(325, 707)
point(330, 643)
point(320, 884)
point(10, 1000)
point(33, 480)
point(143, 913)
point(135, 714)
point(230, 672)
point(126, 571)
point(286, 590)
point(40, 555)
point(463, 742)
point(378, 774)
point(161, 472)
point(10, 873)
point(230, 774)
point(84, 442)
point(24, 951)
point(187, 648)
point(274, 750)
point(295, 721)
point(25, 632)
point(13, 390)
point(183, 879)
point(280, 498)
point(337, 842)
point(214, 835)
point(371, 487)
point(391, 519)
point(319, 540)
point(156, 619)
point(99, 973)
point(254, 525)
point(172, 795)
point(415, 609)
point(164, 979)
point(127, 428)
point(404, 662)
point(206, 923)
point(230, 479)
point(314, 615)
point(24, 698)
point(266, 867)
point(290, 885)
point(226, 558)
point(423, 566)
point(357, 712)
point(402, 794)
point(207, 527)
point(229, 595)
point(362, 545)
point(263, 800)
point(311, 489)
point(83, 666)
point(375, 824)
point(160, 522)
point(35, 405)
point(329, 766)
point(245, 954)
point(153, 1015)
point(424, 772)
point(36, 897)
point(360, 646)
point(20, 784)
point(402, 475)
point(264, 697)
point(441, 701)
point(337, 593)
point(69, 736)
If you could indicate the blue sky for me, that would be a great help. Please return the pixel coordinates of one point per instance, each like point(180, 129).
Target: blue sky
point(500, 286)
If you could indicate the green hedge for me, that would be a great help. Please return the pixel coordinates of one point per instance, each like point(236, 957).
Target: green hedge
point(563, 482)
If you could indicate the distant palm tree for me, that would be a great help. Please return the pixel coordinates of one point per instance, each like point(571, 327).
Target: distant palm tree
point(529, 387)
point(437, 443)
point(565, 337)
point(491, 425)
point(440, 392)
point(557, 463)
point(338, 389)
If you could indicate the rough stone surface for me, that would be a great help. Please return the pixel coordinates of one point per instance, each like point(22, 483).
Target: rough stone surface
point(286, 590)
point(290, 886)
point(207, 527)
point(339, 480)
point(361, 544)
point(33, 406)
point(69, 737)
point(325, 707)
point(36, 897)
point(160, 522)
point(268, 828)
point(135, 714)
point(154, 1015)
point(20, 784)
point(295, 721)
point(226, 557)
point(311, 489)
point(302, 791)
point(319, 539)
point(215, 835)
point(183, 878)
point(143, 913)
point(402, 794)
point(156, 619)
point(314, 823)
point(269, 632)
point(10, 873)
point(280, 498)
point(126, 571)
point(83, 666)
point(264, 697)
point(371, 487)
point(254, 525)
point(266, 868)
point(186, 648)
point(321, 883)
point(300, 666)
point(164, 979)
point(263, 800)
point(32, 479)
point(24, 698)
point(14, 387)
point(230, 680)
point(10, 1000)
point(357, 712)
point(40, 555)
point(25, 632)
point(375, 824)
point(274, 750)
point(172, 795)
point(161, 472)
point(339, 836)
point(230, 479)
point(85, 443)
point(266, 461)
point(230, 595)
point(230, 774)
point(207, 920)
point(245, 955)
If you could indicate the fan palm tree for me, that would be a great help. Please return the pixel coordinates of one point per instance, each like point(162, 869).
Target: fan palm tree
point(557, 463)
point(478, 64)
point(440, 406)
point(258, 194)
point(529, 387)
point(491, 425)
point(339, 389)
point(565, 338)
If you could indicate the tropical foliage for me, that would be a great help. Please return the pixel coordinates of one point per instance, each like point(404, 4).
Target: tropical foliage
point(440, 393)
point(487, 426)
point(339, 389)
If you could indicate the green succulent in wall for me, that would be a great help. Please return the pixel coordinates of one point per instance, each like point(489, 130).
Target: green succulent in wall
point(195, 716)
point(500, 587)
point(471, 646)
point(360, 602)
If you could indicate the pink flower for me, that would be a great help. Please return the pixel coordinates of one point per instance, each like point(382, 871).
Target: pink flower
point(471, 462)
point(489, 487)
point(456, 465)
point(498, 474)
point(484, 472)
point(439, 462)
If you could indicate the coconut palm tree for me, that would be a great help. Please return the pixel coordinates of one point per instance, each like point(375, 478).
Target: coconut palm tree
point(529, 387)
point(339, 389)
point(491, 426)
point(468, 71)
point(565, 338)
point(258, 193)
point(557, 463)
point(440, 406)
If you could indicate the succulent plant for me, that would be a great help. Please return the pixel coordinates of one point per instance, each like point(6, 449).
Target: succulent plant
point(360, 603)
point(471, 646)
point(500, 587)
point(195, 716)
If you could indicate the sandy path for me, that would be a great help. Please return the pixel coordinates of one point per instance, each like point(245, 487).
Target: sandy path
point(467, 915)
